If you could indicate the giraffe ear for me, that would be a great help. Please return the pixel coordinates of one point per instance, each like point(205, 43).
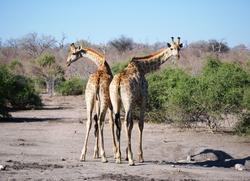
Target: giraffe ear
point(169, 45)
point(180, 45)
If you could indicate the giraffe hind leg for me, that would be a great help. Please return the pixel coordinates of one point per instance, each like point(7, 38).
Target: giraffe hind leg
point(100, 127)
point(111, 123)
point(141, 126)
point(96, 134)
point(118, 136)
point(129, 126)
point(90, 102)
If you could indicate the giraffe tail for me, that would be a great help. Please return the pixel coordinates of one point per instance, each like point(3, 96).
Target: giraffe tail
point(114, 91)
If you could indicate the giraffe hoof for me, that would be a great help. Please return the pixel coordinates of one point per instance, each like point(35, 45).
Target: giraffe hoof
point(104, 160)
point(118, 161)
point(131, 163)
point(82, 159)
point(141, 160)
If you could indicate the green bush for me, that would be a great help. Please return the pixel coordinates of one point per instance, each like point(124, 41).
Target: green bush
point(175, 96)
point(117, 67)
point(223, 86)
point(4, 76)
point(243, 127)
point(73, 86)
point(21, 93)
point(170, 93)
point(16, 92)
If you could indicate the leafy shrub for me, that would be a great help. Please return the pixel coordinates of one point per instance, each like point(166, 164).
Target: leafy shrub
point(224, 86)
point(243, 127)
point(73, 86)
point(117, 67)
point(178, 97)
point(16, 92)
point(4, 76)
point(169, 95)
point(21, 93)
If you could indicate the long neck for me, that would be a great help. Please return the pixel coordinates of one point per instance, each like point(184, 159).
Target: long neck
point(96, 57)
point(152, 62)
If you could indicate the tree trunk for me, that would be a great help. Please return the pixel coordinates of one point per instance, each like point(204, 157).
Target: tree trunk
point(49, 87)
point(52, 86)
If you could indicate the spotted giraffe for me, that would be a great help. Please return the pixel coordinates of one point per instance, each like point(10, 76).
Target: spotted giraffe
point(129, 87)
point(96, 95)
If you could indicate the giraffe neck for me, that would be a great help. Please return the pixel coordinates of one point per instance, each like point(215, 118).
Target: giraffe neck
point(93, 55)
point(152, 62)
point(98, 59)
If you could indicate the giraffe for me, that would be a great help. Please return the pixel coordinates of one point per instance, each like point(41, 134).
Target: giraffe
point(96, 95)
point(129, 87)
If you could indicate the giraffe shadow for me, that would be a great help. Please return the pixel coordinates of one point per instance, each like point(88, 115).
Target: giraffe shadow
point(221, 159)
point(24, 119)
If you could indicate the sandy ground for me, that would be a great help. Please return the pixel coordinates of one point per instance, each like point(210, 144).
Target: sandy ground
point(46, 144)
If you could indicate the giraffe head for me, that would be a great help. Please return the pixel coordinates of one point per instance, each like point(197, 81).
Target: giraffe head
point(74, 54)
point(175, 47)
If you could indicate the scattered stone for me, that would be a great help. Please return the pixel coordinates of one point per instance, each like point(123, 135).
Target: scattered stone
point(247, 164)
point(63, 159)
point(239, 167)
point(173, 166)
point(2, 167)
point(9, 161)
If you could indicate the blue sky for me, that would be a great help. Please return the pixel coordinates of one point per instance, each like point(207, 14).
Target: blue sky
point(145, 21)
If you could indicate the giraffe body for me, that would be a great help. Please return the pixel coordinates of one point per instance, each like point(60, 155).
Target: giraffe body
point(96, 97)
point(129, 88)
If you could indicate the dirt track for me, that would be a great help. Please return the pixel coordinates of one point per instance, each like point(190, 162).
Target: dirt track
point(45, 145)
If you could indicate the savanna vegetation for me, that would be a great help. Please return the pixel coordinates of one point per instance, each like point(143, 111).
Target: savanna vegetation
point(16, 91)
point(209, 81)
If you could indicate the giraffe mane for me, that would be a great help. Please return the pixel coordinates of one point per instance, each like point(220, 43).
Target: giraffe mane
point(151, 56)
point(95, 52)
